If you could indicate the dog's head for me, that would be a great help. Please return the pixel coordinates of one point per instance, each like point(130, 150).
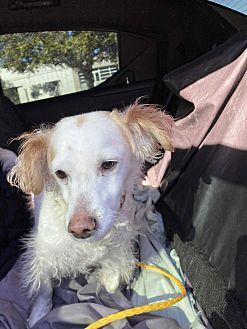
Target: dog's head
point(92, 161)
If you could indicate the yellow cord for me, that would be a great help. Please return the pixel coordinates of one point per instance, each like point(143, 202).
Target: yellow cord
point(145, 308)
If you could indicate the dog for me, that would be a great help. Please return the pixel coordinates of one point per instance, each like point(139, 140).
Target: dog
point(85, 169)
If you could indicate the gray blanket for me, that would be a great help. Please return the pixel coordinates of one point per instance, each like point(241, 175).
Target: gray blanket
point(77, 303)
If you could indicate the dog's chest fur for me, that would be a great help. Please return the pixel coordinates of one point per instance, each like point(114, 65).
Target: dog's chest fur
point(56, 254)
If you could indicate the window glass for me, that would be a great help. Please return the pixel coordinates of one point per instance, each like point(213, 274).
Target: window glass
point(238, 5)
point(40, 65)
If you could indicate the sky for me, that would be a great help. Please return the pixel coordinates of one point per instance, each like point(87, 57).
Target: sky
point(239, 5)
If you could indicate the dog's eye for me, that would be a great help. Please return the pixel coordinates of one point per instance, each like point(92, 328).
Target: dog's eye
point(61, 174)
point(107, 165)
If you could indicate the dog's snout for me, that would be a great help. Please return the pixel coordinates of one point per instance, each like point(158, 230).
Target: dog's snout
point(82, 226)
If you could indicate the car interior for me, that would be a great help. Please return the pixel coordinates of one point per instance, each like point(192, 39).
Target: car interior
point(190, 57)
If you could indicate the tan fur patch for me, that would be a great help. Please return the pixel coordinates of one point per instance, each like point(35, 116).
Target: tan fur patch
point(79, 121)
point(28, 173)
point(118, 118)
point(147, 129)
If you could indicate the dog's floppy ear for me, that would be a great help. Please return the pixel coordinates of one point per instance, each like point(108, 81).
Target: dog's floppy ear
point(28, 173)
point(148, 129)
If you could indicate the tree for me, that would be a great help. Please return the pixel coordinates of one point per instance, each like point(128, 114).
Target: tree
point(79, 50)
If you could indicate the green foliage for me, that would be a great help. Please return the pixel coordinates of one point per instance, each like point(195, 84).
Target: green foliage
point(79, 50)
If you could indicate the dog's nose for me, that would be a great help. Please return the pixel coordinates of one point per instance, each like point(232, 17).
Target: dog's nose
point(83, 234)
point(81, 226)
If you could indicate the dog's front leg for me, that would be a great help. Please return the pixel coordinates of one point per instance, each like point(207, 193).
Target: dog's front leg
point(41, 303)
point(113, 273)
point(110, 277)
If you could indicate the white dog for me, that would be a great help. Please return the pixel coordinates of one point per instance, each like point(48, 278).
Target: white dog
point(86, 168)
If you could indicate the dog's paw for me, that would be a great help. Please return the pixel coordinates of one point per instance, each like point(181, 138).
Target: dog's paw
point(111, 281)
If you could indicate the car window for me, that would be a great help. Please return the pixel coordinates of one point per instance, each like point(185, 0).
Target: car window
point(41, 65)
point(238, 5)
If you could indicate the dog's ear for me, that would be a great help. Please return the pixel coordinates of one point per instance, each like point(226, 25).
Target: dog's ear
point(28, 173)
point(148, 129)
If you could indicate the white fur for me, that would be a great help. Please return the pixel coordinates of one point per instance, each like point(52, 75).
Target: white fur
point(78, 145)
